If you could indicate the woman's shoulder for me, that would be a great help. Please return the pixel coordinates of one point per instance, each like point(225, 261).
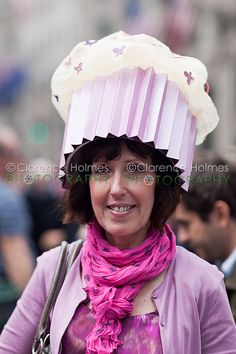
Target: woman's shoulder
point(48, 261)
point(196, 270)
point(184, 257)
point(51, 257)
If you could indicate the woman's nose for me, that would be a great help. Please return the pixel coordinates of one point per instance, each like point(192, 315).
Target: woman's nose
point(117, 185)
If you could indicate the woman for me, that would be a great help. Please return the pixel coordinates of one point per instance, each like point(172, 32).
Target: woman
point(128, 147)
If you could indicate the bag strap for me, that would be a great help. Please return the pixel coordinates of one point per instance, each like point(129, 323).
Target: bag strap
point(76, 247)
point(63, 266)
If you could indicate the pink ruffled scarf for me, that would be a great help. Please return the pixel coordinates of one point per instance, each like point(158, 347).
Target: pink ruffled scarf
point(114, 277)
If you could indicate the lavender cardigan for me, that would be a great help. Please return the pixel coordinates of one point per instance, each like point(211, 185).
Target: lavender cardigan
point(195, 316)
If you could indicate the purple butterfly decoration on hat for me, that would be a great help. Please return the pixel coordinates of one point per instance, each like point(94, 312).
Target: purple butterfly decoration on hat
point(90, 42)
point(68, 63)
point(207, 87)
point(119, 51)
point(189, 77)
point(78, 68)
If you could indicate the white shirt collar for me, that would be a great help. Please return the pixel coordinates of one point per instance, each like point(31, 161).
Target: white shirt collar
point(228, 264)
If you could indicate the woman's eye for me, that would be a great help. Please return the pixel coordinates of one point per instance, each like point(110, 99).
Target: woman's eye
point(100, 169)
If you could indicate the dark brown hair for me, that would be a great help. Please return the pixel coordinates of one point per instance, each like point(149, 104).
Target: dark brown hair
point(78, 207)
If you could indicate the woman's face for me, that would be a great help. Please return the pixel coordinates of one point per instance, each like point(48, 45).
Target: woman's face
point(122, 195)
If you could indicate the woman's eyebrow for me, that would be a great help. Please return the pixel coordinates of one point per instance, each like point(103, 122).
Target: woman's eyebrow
point(138, 159)
point(99, 161)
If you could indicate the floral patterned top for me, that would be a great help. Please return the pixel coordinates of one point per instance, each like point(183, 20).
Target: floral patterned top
point(140, 333)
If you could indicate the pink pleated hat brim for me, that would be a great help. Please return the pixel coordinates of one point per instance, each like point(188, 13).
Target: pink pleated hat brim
point(138, 104)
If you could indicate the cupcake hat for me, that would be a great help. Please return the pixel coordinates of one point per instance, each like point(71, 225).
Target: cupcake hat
point(133, 86)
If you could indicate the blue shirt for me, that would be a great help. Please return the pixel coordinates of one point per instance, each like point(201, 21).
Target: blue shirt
point(14, 217)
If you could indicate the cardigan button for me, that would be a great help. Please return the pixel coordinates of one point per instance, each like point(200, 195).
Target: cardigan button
point(163, 323)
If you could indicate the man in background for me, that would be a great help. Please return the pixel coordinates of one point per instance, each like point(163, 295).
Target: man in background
point(206, 219)
point(16, 261)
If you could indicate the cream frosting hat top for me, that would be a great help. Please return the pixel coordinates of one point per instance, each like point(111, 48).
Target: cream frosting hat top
point(97, 72)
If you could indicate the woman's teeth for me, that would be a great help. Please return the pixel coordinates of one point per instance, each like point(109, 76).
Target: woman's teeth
point(121, 209)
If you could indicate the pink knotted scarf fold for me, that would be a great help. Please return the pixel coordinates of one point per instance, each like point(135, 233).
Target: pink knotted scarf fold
point(114, 277)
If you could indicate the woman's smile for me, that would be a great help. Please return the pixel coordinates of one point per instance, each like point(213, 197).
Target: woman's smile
point(120, 210)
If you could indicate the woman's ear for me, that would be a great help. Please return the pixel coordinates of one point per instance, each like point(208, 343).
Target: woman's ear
point(220, 214)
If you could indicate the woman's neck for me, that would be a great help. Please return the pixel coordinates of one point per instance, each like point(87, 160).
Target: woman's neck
point(127, 241)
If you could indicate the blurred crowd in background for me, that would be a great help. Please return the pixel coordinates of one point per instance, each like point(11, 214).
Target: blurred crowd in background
point(34, 37)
